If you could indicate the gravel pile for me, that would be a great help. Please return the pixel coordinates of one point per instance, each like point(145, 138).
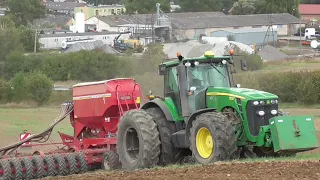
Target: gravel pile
point(270, 53)
point(195, 49)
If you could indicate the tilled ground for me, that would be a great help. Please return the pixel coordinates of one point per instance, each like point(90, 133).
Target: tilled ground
point(237, 170)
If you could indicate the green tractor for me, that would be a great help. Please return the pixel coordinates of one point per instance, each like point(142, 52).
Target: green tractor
point(203, 114)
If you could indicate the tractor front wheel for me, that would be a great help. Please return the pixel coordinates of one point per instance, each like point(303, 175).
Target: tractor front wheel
point(213, 138)
point(138, 143)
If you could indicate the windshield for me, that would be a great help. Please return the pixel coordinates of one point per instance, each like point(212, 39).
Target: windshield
point(205, 75)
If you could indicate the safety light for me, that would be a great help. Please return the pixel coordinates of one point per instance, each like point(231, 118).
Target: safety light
point(209, 54)
point(178, 54)
point(231, 52)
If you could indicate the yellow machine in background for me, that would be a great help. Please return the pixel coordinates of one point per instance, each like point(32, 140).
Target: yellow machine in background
point(123, 45)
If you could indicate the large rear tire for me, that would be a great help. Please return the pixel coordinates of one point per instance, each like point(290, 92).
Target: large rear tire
point(138, 143)
point(213, 138)
point(169, 154)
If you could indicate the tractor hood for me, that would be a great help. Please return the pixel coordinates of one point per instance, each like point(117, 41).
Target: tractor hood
point(242, 93)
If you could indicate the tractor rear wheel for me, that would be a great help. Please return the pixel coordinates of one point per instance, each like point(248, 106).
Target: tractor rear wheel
point(138, 143)
point(213, 138)
point(169, 154)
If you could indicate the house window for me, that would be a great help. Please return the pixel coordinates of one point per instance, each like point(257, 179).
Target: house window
point(104, 10)
point(112, 11)
point(118, 11)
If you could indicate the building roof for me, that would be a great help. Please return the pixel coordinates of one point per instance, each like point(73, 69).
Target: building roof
point(234, 21)
point(246, 30)
point(114, 20)
point(309, 9)
point(63, 5)
point(58, 20)
point(201, 20)
point(78, 34)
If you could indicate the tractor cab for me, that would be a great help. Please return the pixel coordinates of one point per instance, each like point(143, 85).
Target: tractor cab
point(193, 76)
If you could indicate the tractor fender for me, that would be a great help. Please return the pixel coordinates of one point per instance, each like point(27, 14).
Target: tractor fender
point(193, 117)
point(161, 105)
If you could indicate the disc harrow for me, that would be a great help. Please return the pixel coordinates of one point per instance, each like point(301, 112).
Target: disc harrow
point(94, 114)
point(35, 167)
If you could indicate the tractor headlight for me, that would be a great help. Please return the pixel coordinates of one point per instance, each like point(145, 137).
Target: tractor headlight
point(274, 112)
point(274, 101)
point(187, 64)
point(261, 113)
point(224, 62)
point(255, 103)
point(262, 102)
point(196, 63)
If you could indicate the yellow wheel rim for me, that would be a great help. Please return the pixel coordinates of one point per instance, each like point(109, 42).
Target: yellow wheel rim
point(204, 142)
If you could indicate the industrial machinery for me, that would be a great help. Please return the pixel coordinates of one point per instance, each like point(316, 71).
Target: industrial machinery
point(131, 43)
point(205, 115)
point(94, 115)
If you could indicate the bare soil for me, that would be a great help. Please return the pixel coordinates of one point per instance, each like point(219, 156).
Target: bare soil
point(253, 170)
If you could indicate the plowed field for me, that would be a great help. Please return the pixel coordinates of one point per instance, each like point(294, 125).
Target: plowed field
point(238, 170)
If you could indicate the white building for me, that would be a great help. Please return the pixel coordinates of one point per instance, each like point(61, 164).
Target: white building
point(54, 41)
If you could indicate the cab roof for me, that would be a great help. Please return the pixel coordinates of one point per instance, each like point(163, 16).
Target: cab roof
point(203, 59)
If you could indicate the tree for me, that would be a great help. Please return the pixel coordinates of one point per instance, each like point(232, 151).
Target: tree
point(9, 36)
point(24, 12)
point(201, 5)
point(310, 1)
point(243, 7)
point(38, 87)
point(146, 6)
point(266, 6)
point(27, 39)
point(104, 2)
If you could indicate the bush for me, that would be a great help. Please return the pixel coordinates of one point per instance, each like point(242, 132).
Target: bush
point(295, 86)
point(18, 88)
point(38, 87)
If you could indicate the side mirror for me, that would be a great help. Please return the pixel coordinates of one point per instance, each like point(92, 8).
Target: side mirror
point(162, 69)
point(243, 65)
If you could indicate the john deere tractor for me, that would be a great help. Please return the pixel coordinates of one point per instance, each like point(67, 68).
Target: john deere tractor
point(205, 115)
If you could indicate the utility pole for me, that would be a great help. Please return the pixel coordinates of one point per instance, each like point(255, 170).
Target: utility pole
point(35, 41)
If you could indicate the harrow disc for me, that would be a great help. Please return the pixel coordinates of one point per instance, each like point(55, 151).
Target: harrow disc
point(5, 171)
point(81, 162)
point(50, 169)
point(71, 163)
point(37, 163)
point(26, 164)
point(61, 164)
point(110, 161)
point(15, 164)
